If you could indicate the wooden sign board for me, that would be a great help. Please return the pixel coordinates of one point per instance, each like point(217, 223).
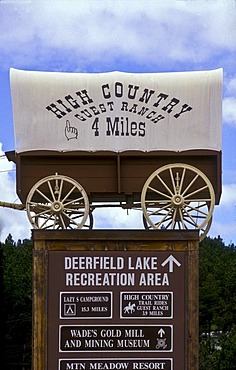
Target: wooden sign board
point(113, 300)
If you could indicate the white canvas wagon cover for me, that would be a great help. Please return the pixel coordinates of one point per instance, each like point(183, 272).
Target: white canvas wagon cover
point(117, 111)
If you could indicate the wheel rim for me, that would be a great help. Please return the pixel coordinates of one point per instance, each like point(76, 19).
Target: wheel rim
point(180, 197)
point(57, 202)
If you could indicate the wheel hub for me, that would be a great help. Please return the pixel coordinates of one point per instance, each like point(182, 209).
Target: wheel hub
point(57, 207)
point(177, 200)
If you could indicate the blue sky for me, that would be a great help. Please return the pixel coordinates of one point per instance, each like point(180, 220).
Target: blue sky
point(131, 36)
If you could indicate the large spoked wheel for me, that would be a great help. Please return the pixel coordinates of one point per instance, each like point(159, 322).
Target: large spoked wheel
point(179, 197)
point(58, 202)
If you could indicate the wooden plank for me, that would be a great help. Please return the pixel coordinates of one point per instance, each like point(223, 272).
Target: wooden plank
point(40, 307)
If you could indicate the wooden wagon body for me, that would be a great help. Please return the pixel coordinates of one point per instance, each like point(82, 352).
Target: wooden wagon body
point(108, 176)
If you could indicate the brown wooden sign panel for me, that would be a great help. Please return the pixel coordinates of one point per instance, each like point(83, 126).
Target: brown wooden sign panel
point(115, 300)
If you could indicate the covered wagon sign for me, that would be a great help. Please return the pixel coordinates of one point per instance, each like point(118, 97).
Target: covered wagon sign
point(116, 111)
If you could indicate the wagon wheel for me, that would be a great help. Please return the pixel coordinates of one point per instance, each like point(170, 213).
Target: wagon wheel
point(180, 197)
point(202, 232)
point(58, 202)
point(89, 222)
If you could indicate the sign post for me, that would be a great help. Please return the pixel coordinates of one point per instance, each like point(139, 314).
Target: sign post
point(109, 299)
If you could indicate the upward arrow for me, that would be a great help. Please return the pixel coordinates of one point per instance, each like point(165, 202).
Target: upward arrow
point(161, 332)
point(171, 260)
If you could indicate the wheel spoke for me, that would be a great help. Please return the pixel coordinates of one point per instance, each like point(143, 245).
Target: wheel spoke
point(163, 219)
point(199, 200)
point(190, 184)
point(69, 193)
point(45, 212)
point(182, 180)
point(44, 196)
point(196, 191)
point(60, 190)
point(160, 209)
point(74, 201)
point(172, 181)
point(191, 218)
point(173, 219)
point(159, 192)
point(54, 223)
point(47, 219)
point(51, 191)
point(70, 219)
point(182, 221)
point(165, 185)
point(62, 221)
point(197, 209)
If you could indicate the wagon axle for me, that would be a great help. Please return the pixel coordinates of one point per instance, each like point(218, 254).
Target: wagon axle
point(19, 207)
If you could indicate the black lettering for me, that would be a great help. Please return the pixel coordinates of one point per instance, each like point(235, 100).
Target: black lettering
point(95, 110)
point(146, 95)
point(124, 106)
point(151, 114)
point(72, 101)
point(81, 118)
point(158, 118)
point(143, 111)
point(185, 108)
point(122, 126)
point(110, 105)
point(102, 107)
point(160, 96)
point(84, 97)
point(95, 126)
point(127, 125)
point(133, 109)
point(141, 129)
point(169, 107)
point(133, 128)
point(118, 89)
point(86, 113)
point(54, 109)
point(112, 128)
point(132, 96)
point(106, 95)
point(61, 102)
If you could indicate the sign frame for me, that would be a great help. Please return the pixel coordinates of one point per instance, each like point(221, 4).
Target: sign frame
point(47, 241)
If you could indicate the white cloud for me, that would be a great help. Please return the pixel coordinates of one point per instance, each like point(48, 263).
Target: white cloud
point(229, 110)
point(226, 231)
point(11, 221)
point(229, 102)
point(148, 31)
point(230, 84)
point(224, 216)
point(228, 198)
point(117, 218)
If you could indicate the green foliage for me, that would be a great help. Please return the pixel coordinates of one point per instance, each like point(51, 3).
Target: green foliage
point(17, 299)
point(217, 291)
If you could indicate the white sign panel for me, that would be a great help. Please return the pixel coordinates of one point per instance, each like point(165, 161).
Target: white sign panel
point(116, 111)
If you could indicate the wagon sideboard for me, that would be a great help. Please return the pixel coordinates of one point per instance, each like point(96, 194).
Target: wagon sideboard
point(109, 176)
